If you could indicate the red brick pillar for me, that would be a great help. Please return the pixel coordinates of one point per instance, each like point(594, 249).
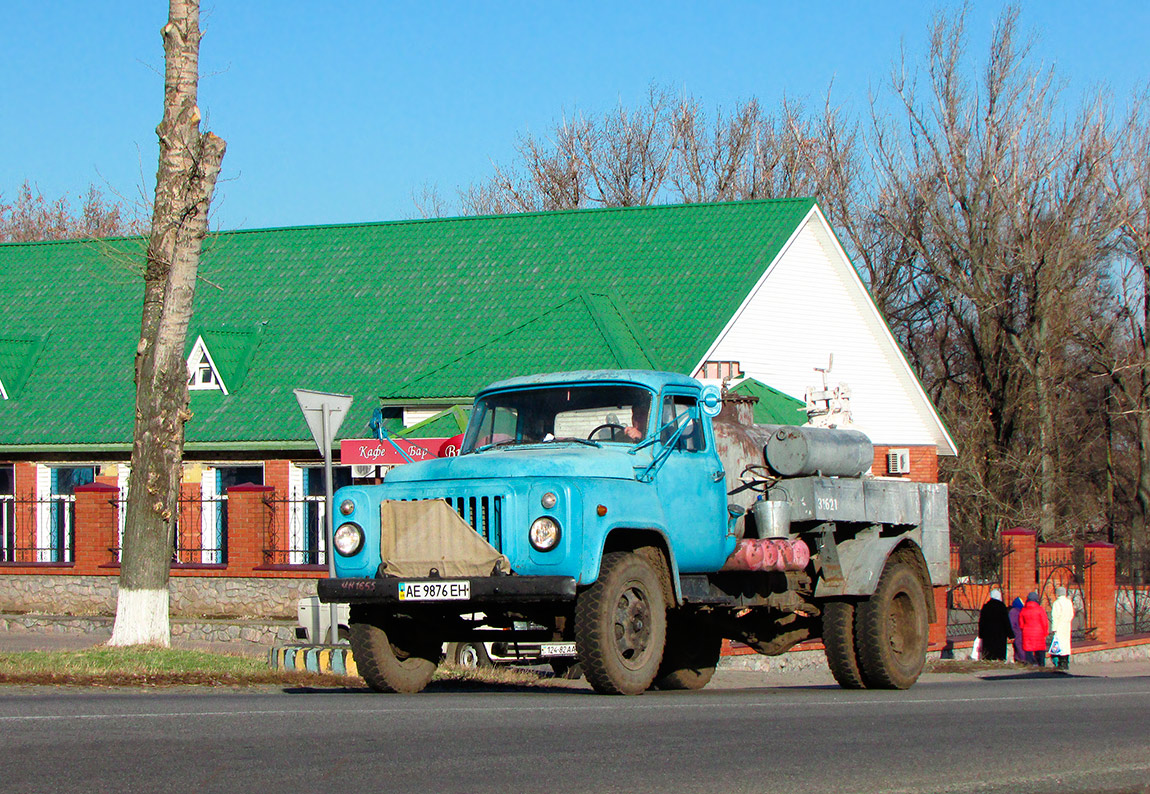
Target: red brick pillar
point(955, 562)
point(1055, 567)
point(25, 518)
point(277, 476)
point(97, 529)
point(249, 522)
point(1100, 593)
point(938, 628)
point(1019, 571)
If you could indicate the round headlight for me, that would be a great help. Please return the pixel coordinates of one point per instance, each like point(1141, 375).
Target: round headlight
point(348, 539)
point(544, 534)
point(347, 507)
point(549, 500)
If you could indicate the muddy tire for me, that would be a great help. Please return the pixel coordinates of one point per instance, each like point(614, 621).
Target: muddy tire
point(621, 625)
point(892, 629)
point(392, 656)
point(839, 644)
point(690, 656)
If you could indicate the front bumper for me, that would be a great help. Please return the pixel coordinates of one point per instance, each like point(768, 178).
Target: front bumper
point(484, 590)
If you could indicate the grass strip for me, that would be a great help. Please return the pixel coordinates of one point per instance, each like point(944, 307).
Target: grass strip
point(151, 666)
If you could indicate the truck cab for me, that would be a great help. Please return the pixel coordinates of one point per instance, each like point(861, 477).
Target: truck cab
point(551, 467)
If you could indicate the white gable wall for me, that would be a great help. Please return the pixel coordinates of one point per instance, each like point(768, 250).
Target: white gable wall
point(809, 305)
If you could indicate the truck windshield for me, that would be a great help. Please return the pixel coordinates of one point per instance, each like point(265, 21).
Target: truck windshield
point(600, 413)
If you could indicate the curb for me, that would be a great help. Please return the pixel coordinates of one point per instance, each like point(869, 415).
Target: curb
point(333, 659)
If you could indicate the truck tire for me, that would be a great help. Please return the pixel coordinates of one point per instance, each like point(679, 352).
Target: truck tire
point(839, 644)
point(395, 659)
point(469, 655)
point(621, 625)
point(690, 656)
point(891, 629)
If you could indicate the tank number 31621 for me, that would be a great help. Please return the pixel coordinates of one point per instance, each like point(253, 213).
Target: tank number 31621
point(827, 503)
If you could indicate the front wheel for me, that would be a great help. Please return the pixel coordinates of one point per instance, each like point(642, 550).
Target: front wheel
point(621, 625)
point(391, 654)
point(891, 629)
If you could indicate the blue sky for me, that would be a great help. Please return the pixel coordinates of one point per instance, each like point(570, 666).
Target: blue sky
point(336, 112)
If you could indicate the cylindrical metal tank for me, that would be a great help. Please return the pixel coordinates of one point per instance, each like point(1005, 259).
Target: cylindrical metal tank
point(803, 451)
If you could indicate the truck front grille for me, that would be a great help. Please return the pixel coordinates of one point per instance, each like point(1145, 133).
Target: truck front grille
point(483, 513)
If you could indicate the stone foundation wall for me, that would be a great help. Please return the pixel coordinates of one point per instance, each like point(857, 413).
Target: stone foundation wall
point(191, 596)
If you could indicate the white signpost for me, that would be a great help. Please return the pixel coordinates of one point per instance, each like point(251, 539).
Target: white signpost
point(324, 413)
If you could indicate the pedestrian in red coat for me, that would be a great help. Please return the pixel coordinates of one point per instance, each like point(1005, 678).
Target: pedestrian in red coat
point(1033, 623)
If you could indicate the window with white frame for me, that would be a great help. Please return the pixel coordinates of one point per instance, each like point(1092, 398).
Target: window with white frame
point(7, 512)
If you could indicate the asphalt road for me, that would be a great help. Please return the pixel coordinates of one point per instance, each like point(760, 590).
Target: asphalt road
point(1006, 732)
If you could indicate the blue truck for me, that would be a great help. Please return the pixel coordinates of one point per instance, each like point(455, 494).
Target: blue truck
point(643, 517)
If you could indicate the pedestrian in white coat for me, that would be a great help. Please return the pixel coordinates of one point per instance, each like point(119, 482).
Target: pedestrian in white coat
point(1061, 616)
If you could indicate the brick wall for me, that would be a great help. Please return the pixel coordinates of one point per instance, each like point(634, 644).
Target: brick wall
point(923, 463)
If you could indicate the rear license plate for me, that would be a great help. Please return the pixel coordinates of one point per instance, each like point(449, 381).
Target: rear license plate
point(435, 591)
point(557, 649)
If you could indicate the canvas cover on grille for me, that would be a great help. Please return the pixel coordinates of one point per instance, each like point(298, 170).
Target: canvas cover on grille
point(416, 537)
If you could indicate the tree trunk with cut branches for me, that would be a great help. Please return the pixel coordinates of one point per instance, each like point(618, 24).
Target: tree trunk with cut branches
point(189, 164)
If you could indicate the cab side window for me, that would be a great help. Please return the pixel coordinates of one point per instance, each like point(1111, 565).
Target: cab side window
point(674, 407)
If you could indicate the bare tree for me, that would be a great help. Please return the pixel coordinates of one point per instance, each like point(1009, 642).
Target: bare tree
point(1007, 209)
point(33, 217)
point(189, 164)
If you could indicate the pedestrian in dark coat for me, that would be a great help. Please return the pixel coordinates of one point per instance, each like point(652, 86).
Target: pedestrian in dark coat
point(994, 627)
point(1033, 623)
point(1020, 656)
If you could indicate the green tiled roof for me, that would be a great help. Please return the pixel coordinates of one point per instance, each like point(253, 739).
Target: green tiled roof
point(17, 356)
point(414, 310)
point(773, 407)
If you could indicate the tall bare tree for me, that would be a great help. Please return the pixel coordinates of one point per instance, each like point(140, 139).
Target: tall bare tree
point(189, 164)
point(1007, 208)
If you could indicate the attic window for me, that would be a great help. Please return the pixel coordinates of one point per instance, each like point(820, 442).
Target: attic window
point(202, 375)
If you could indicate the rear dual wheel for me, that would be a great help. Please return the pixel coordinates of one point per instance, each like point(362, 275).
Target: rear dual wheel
point(879, 642)
point(691, 655)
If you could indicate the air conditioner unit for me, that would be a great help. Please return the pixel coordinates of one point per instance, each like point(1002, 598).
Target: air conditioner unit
point(898, 461)
point(362, 471)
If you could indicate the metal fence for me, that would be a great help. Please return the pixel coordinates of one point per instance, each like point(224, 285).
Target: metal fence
point(1071, 574)
point(296, 532)
point(50, 536)
point(201, 531)
point(978, 569)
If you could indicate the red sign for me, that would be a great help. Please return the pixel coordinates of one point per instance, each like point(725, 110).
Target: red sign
point(383, 453)
point(451, 446)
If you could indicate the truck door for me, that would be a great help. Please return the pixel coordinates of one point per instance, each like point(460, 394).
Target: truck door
point(691, 487)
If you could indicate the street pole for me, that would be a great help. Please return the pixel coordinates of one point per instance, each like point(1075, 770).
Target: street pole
point(324, 413)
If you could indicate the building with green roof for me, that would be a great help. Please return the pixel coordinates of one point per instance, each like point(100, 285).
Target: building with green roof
point(413, 317)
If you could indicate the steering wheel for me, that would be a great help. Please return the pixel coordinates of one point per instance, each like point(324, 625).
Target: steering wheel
point(617, 432)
